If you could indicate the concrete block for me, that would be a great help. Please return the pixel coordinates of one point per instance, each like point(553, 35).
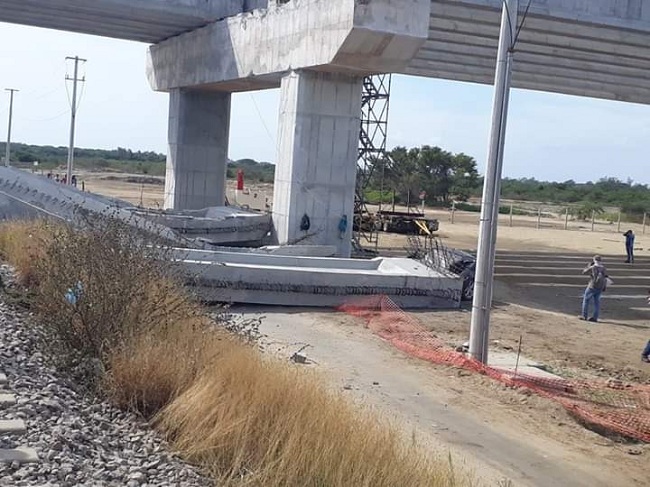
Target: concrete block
point(20, 455)
point(7, 399)
point(253, 51)
point(3, 379)
point(12, 426)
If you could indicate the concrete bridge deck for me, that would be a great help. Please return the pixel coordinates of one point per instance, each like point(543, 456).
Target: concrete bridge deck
point(599, 48)
point(134, 20)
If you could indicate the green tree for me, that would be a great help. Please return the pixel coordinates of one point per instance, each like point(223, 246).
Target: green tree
point(441, 174)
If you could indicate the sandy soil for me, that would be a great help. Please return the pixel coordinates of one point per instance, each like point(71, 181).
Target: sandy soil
point(493, 433)
point(496, 432)
point(142, 190)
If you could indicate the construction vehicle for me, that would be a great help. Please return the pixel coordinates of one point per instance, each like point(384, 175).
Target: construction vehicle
point(406, 222)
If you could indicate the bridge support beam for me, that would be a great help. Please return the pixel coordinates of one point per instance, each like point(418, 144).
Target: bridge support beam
point(199, 126)
point(316, 159)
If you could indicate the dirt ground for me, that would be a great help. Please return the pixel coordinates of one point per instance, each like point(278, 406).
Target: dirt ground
point(498, 433)
point(148, 191)
point(498, 436)
point(539, 285)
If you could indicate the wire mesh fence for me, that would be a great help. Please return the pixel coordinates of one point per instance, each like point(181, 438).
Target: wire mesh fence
point(611, 407)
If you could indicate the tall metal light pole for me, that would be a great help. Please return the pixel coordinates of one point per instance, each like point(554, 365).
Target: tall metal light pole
point(11, 110)
point(482, 302)
point(73, 106)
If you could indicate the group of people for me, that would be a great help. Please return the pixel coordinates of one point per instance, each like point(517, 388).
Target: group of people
point(64, 179)
point(598, 282)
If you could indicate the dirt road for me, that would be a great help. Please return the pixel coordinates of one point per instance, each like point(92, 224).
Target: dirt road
point(492, 432)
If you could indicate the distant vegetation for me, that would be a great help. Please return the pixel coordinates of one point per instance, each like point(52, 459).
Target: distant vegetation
point(121, 160)
point(443, 175)
point(257, 172)
point(447, 177)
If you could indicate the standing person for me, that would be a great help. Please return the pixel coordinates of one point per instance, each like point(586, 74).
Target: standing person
point(645, 355)
point(597, 285)
point(629, 246)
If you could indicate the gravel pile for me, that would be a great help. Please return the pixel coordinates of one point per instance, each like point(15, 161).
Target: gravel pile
point(80, 441)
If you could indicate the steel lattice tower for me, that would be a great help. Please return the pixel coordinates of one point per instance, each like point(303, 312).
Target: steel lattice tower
point(372, 148)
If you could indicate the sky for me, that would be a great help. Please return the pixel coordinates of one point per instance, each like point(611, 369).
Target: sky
point(550, 137)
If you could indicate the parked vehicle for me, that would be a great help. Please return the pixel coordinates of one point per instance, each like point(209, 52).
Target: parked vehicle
point(410, 223)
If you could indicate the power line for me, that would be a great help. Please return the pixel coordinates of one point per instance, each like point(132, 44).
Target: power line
point(11, 109)
point(73, 106)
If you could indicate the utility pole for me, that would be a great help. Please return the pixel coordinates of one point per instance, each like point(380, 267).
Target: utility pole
point(11, 109)
point(485, 257)
point(73, 106)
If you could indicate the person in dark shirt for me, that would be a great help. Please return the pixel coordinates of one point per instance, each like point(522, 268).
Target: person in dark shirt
point(629, 246)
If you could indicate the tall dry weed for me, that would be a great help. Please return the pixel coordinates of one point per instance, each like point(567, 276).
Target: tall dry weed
point(255, 421)
point(154, 367)
point(23, 244)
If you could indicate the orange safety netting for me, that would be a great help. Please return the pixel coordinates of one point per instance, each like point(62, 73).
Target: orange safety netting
point(611, 406)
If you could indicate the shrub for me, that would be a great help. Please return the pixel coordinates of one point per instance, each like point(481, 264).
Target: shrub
point(101, 288)
point(374, 196)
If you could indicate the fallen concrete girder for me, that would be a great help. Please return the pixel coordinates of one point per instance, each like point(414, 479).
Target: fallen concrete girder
point(300, 275)
point(215, 226)
point(262, 278)
point(28, 195)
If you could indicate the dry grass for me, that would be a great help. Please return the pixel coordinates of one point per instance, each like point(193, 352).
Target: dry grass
point(247, 419)
point(23, 245)
point(255, 421)
point(156, 366)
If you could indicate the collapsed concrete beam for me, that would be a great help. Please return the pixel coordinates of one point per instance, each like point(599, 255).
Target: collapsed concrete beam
point(24, 195)
point(353, 37)
point(311, 281)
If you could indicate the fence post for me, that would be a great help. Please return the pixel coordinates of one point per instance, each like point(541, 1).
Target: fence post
point(644, 218)
point(566, 218)
point(539, 217)
point(593, 219)
point(618, 226)
point(453, 211)
point(512, 206)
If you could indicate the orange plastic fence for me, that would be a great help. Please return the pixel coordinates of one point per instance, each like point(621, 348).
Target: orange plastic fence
point(611, 406)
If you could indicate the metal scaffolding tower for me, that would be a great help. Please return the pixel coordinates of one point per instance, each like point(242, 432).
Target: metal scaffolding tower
point(372, 151)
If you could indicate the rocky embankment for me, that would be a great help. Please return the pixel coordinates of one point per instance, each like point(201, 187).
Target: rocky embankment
point(80, 441)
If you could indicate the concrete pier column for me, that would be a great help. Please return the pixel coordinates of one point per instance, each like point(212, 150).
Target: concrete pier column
point(316, 160)
point(199, 126)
